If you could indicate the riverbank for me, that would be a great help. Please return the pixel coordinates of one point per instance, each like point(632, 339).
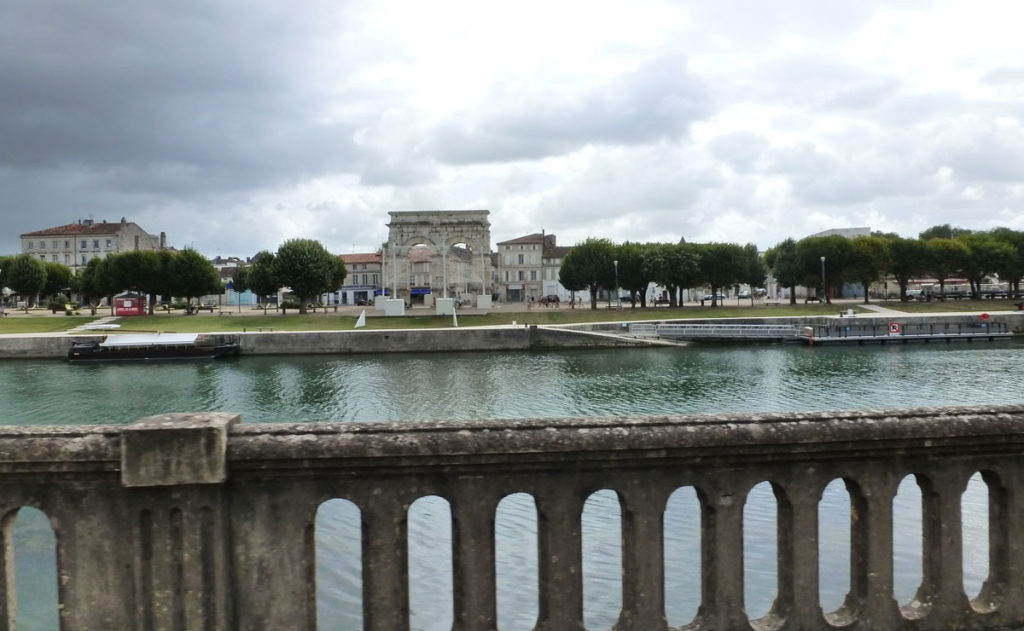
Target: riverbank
point(609, 333)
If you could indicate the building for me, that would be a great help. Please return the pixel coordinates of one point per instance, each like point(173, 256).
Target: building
point(528, 267)
point(76, 244)
point(362, 282)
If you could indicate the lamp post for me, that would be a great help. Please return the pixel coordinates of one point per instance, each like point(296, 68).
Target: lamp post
point(617, 301)
point(824, 285)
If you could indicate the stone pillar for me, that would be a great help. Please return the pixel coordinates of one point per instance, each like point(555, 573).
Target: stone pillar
point(643, 558)
point(174, 468)
point(722, 605)
point(560, 548)
point(473, 556)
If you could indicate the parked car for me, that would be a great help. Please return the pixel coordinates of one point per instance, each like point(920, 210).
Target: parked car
point(743, 294)
point(710, 297)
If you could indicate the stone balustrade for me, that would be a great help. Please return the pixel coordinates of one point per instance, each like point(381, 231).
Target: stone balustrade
point(198, 522)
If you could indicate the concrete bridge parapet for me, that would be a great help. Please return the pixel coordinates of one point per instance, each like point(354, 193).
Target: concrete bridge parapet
point(200, 522)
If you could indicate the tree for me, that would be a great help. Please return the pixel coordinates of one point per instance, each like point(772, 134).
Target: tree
point(142, 271)
point(26, 276)
point(96, 283)
point(261, 276)
point(308, 269)
point(589, 265)
point(721, 265)
point(784, 262)
point(984, 255)
point(870, 261)
point(1011, 269)
point(675, 266)
point(193, 276)
point(58, 279)
point(907, 259)
point(754, 270)
point(944, 257)
point(634, 276)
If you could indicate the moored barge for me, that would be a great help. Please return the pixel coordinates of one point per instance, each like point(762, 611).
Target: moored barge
point(153, 346)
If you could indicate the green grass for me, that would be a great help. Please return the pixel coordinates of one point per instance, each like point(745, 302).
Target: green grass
point(937, 306)
point(39, 324)
point(341, 322)
point(43, 322)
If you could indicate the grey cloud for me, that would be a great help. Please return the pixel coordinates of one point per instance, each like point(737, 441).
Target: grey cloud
point(657, 101)
point(740, 150)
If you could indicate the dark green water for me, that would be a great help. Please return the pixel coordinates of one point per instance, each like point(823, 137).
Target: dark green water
point(516, 385)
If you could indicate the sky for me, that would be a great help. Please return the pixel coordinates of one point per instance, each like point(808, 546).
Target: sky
point(235, 126)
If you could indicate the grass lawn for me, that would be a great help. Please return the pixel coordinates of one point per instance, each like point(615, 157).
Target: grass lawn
point(937, 306)
point(331, 321)
point(41, 324)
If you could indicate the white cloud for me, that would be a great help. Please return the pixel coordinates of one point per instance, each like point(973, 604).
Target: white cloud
point(734, 120)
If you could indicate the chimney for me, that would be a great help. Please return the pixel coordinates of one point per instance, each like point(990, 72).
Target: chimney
point(163, 240)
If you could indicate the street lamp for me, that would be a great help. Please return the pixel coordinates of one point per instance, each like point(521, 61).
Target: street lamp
point(617, 301)
point(824, 285)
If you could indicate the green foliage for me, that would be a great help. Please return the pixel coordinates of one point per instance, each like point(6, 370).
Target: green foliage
point(721, 265)
point(58, 279)
point(261, 276)
point(308, 269)
point(26, 275)
point(784, 261)
point(588, 265)
point(193, 276)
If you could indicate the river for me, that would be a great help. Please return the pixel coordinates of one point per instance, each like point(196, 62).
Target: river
point(550, 384)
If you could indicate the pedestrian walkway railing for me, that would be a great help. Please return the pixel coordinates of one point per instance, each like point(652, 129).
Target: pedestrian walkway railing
point(198, 522)
point(715, 331)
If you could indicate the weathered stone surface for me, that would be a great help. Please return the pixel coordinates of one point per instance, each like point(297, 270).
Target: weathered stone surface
point(175, 449)
point(210, 524)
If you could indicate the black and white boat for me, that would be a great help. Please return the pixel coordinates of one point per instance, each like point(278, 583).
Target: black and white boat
point(153, 346)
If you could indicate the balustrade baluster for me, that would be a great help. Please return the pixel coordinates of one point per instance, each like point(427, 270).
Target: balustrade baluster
point(798, 600)
point(385, 564)
point(722, 605)
point(560, 566)
point(941, 525)
point(473, 554)
point(643, 558)
point(871, 570)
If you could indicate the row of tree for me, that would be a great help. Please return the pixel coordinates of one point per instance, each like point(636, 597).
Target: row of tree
point(302, 265)
point(941, 253)
point(185, 274)
point(600, 264)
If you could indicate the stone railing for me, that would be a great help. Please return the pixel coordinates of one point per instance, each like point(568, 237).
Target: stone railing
point(198, 522)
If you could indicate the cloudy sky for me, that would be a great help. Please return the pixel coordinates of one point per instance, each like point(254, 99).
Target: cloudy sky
point(233, 126)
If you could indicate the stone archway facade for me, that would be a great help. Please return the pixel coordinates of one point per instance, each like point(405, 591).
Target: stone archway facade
point(439, 269)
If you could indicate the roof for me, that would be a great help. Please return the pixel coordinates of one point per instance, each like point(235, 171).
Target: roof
point(536, 237)
point(83, 228)
point(370, 257)
point(557, 252)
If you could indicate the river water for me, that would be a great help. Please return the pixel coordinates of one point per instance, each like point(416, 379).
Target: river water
point(524, 384)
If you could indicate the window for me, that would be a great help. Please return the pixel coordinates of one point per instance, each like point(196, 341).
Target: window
point(110, 243)
point(533, 274)
point(67, 259)
point(506, 276)
point(83, 256)
point(83, 244)
point(31, 245)
point(96, 243)
point(520, 275)
point(375, 279)
point(520, 259)
point(42, 257)
point(54, 258)
point(53, 244)
point(364, 276)
point(42, 244)
point(67, 244)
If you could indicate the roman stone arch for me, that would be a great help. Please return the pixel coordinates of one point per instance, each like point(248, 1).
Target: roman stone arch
point(422, 257)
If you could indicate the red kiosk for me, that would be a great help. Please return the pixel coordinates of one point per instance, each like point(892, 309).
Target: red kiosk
point(129, 305)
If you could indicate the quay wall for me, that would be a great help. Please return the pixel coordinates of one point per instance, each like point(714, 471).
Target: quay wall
point(525, 337)
point(345, 342)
